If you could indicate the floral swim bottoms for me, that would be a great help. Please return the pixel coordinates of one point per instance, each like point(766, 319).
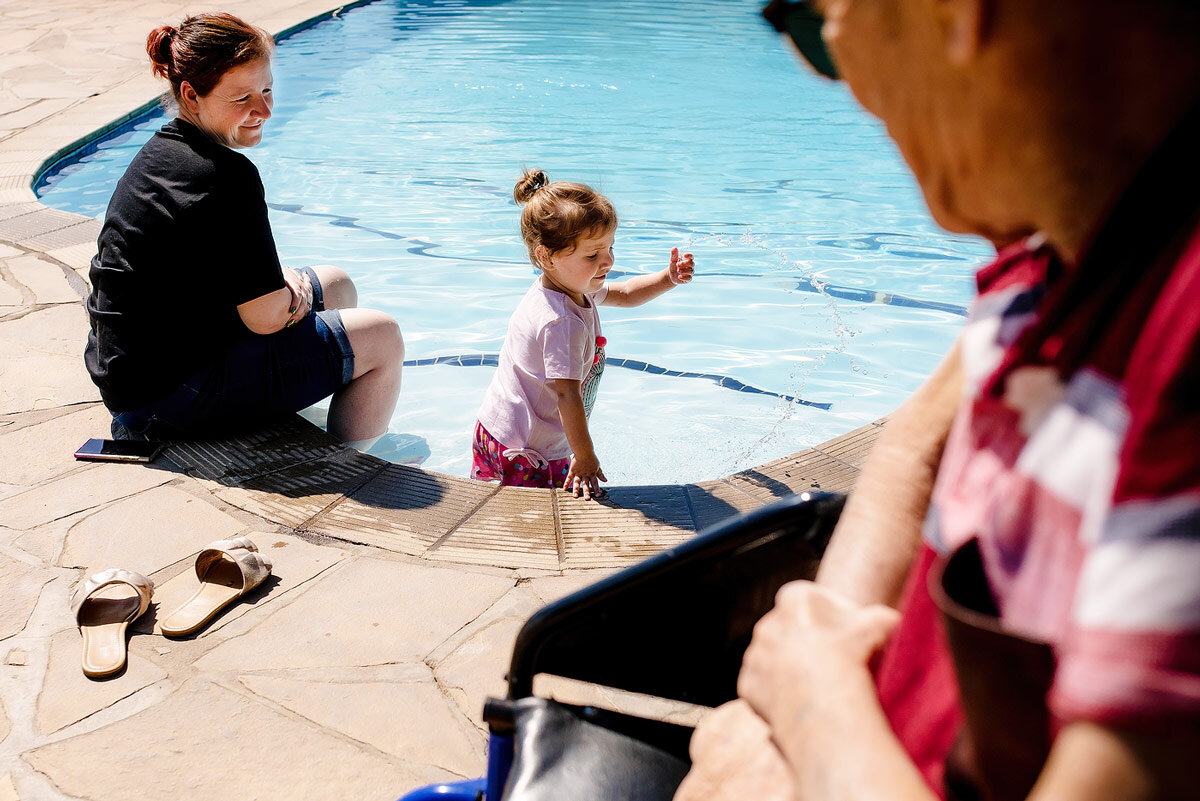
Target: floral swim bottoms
point(489, 464)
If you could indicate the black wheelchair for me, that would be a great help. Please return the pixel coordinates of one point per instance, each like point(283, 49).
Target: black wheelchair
point(674, 626)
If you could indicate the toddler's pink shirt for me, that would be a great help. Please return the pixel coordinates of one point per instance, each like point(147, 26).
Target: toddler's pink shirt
point(548, 337)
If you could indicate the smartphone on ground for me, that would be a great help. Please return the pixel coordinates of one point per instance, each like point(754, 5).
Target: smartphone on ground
point(118, 450)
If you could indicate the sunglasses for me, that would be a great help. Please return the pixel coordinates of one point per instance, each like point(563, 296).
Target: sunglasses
point(799, 20)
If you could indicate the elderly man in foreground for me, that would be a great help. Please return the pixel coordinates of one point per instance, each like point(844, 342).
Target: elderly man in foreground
point(1047, 638)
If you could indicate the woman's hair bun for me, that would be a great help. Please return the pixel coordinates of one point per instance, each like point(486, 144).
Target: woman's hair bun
point(203, 48)
point(529, 183)
point(158, 47)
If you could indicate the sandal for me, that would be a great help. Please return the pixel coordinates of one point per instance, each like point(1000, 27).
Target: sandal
point(227, 569)
point(104, 607)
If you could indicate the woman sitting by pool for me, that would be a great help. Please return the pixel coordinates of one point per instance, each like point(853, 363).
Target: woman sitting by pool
point(196, 328)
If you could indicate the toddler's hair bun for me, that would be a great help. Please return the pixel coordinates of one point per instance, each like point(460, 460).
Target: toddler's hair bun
point(528, 184)
point(158, 47)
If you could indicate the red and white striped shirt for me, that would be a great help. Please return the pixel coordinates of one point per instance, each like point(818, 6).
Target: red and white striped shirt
point(1075, 462)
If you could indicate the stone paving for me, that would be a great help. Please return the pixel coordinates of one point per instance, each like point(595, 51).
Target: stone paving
point(360, 668)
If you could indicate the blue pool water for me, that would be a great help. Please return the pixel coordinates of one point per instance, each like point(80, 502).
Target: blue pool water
point(824, 292)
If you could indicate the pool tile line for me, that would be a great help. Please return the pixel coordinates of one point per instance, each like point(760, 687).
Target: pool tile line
point(421, 247)
point(876, 296)
point(723, 381)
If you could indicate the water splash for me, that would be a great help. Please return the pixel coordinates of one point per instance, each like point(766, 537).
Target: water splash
point(743, 454)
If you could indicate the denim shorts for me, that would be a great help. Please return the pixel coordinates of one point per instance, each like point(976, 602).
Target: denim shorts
point(258, 380)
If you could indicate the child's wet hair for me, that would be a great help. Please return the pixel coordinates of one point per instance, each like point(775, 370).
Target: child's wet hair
point(557, 215)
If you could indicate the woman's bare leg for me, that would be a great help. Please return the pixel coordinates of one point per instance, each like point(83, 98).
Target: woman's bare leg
point(339, 290)
point(362, 409)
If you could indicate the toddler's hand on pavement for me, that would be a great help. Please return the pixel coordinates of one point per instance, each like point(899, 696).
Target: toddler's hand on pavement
point(584, 476)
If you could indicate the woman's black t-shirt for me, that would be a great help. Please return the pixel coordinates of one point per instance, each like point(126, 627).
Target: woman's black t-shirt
point(185, 241)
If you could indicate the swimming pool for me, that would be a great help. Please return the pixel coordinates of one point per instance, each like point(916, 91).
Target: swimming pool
point(824, 292)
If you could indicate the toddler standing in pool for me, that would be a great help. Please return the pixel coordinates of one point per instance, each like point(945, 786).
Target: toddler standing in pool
point(532, 429)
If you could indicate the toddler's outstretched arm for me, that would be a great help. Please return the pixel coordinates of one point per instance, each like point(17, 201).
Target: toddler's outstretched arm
point(584, 474)
point(637, 291)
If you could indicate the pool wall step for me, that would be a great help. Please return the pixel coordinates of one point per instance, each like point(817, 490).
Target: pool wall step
point(295, 475)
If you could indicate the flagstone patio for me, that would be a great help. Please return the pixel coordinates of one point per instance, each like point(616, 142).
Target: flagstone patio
point(360, 668)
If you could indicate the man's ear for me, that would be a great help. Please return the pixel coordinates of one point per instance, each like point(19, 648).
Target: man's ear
point(188, 98)
point(964, 28)
point(542, 254)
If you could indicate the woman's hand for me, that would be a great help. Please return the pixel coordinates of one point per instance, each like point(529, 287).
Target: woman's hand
point(300, 287)
point(681, 268)
point(585, 475)
point(279, 308)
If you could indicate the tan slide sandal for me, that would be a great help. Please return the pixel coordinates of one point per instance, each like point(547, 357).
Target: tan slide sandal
point(227, 569)
point(104, 606)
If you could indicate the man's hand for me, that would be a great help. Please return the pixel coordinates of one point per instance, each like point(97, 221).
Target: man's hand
point(811, 649)
point(733, 759)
